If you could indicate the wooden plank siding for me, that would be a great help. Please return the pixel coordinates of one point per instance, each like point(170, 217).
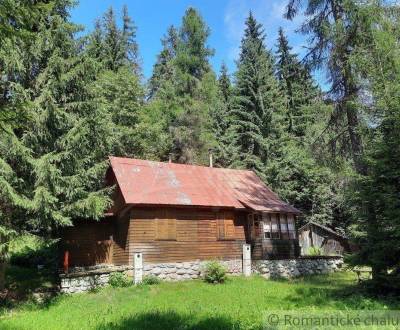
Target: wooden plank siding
point(166, 234)
point(121, 241)
point(88, 243)
point(196, 235)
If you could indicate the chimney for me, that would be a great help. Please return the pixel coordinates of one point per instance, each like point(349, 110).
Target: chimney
point(210, 153)
point(170, 158)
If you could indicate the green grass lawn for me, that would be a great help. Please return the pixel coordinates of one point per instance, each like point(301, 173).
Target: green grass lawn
point(240, 303)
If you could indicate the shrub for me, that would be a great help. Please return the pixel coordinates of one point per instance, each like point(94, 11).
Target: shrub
point(151, 280)
point(314, 251)
point(214, 272)
point(118, 279)
point(30, 251)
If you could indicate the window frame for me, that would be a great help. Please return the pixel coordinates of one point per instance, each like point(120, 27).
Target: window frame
point(283, 220)
point(292, 232)
point(267, 217)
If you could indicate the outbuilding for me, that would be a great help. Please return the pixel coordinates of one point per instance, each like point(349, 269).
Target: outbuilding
point(323, 238)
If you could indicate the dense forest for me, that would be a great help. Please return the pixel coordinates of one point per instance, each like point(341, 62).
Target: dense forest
point(69, 100)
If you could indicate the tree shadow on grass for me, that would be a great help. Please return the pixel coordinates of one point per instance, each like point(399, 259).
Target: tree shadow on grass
point(162, 320)
point(346, 297)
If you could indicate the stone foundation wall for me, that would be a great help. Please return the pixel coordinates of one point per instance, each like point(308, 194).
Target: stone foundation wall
point(296, 267)
point(187, 270)
point(84, 279)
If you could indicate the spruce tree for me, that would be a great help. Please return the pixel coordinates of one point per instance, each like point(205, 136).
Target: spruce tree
point(297, 86)
point(222, 122)
point(164, 68)
point(113, 46)
point(52, 172)
point(257, 97)
point(295, 172)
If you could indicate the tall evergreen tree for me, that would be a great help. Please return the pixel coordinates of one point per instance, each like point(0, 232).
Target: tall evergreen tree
point(164, 68)
point(375, 196)
point(298, 87)
point(52, 171)
point(114, 46)
point(225, 149)
point(192, 51)
point(184, 86)
point(257, 97)
point(334, 36)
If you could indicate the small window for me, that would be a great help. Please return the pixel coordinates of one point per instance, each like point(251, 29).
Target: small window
point(274, 226)
point(284, 226)
point(291, 226)
point(266, 225)
point(166, 229)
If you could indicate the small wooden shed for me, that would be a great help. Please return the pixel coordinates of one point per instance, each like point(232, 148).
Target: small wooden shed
point(326, 239)
point(174, 213)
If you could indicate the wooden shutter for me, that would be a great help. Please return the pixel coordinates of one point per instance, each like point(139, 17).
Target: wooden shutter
point(166, 229)
point(172, 229)
point(229, 229)
point(221, 228)
point(225, 227)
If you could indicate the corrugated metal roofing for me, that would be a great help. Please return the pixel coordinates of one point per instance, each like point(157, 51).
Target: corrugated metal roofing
point(156, 183)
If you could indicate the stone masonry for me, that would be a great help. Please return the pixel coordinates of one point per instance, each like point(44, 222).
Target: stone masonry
point(296, 267)
point(187, 270)
point(84, 279)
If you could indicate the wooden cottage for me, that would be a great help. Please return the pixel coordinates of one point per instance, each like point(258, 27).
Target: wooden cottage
point(173, 212)
point(328, 241)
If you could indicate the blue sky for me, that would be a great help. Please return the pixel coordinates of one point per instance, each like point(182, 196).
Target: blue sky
point(224, 17)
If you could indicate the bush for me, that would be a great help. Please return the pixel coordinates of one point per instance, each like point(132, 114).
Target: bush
point(314, 251)
point(119, 280)
point(30, 251)
point(151, 280)
point(214, 272)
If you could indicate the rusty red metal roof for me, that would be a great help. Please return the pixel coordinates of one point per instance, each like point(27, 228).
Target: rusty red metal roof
point(147, 182)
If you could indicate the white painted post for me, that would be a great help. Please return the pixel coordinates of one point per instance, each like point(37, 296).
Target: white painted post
point(138, 267)
point(246, 260)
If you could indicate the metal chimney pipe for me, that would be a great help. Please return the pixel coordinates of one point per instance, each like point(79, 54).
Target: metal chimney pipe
point(170, 158)
point(210, 153)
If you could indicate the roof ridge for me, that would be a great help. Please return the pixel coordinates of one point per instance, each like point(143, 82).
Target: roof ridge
point(128, 160)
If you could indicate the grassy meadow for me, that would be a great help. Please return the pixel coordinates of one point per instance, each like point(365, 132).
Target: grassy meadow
point(240, 303)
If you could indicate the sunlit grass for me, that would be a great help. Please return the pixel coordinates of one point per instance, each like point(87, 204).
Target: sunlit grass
point(240, 304)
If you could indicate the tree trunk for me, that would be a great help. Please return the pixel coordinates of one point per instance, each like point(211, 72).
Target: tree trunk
point(2, 275)
point(355, 139)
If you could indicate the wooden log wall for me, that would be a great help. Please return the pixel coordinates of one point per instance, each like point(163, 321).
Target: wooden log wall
point(197, 234)
point(88, 243)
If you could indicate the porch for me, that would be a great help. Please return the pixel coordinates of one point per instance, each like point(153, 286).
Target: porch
point(272, 236)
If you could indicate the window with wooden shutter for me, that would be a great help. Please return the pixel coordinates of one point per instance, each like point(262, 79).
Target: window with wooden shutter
point(225, 228)
point(166, 229)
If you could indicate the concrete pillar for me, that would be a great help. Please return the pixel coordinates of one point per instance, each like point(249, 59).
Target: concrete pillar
point(246, 259)
point(138, 267)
